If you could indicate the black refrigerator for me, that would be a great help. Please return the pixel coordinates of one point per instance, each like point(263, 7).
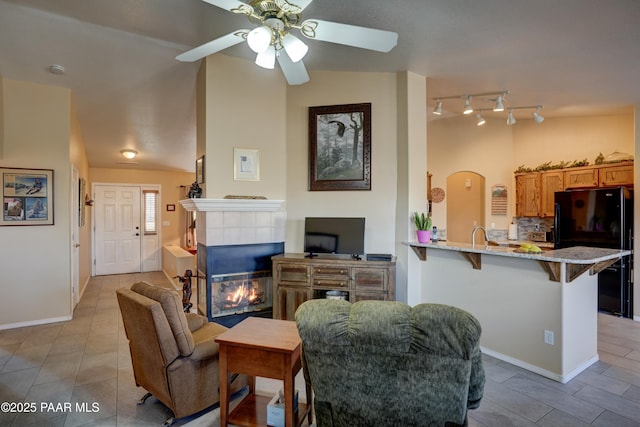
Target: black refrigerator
point(601, 218)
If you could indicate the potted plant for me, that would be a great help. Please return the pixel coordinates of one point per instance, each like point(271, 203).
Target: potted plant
point(423, 226)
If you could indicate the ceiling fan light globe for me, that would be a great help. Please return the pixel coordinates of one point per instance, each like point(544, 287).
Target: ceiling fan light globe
point(267, 59)
point(259, 39)
point(129, 154)
point(295, 48)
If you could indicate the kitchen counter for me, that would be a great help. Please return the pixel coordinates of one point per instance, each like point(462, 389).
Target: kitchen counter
point(537, 310)
point(574, 255)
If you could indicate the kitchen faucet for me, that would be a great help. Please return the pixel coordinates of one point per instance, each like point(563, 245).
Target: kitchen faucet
point(473, 234)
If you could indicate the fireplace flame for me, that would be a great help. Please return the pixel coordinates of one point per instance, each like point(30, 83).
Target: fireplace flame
point(244, 294)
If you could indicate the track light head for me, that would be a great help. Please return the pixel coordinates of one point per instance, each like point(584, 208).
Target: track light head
point(510, 119)
point(468, 109)
point(537, 117)
point(438, 109)
point(499, 103)
point(480, 120)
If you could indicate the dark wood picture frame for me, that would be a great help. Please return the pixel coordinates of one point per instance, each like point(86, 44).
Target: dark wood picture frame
point(200, 170)
point(340, 147)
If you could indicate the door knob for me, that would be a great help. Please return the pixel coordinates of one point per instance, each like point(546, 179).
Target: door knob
point(77, 245)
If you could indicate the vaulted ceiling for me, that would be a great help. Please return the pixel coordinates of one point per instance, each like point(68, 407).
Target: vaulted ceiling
point(575, 57)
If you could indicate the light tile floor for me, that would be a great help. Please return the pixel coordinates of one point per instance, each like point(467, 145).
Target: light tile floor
point(84, 362)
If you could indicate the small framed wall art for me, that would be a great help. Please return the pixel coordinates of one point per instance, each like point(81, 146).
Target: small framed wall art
point(246, 164)
point(200, 170)
point(27, 196)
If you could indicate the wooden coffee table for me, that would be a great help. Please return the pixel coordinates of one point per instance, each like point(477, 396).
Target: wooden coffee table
point(260, 347)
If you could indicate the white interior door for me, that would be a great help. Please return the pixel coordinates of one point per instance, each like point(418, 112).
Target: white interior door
point(117, 233)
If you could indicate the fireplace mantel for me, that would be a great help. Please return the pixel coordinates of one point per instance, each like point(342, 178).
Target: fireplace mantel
point(232, 205)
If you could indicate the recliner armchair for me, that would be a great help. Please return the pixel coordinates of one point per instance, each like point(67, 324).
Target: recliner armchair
point(383, 363)
point(174, 355)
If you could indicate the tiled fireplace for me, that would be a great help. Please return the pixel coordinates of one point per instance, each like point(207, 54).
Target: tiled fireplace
point(236, 240)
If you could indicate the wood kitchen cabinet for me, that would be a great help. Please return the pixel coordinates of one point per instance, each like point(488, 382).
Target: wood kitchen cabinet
point(535, 191)
point(612, 176)
point(582, 177)
point(528, 194)
point(297, 279)
point(550, 182)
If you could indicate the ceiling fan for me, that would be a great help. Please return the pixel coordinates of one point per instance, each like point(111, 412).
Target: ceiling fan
point(273, 39)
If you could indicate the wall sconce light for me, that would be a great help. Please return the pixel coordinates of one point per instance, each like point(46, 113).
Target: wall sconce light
point(129, 154)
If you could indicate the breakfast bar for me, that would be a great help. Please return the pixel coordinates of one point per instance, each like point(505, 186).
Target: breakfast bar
point(537, 310)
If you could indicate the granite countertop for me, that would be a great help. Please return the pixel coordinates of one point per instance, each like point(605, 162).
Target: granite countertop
point(573, 255)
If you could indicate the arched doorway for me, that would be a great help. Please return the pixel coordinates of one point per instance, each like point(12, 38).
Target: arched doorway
point(465, 205)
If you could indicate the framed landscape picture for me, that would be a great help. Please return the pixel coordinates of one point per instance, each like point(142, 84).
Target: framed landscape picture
point(27, 196)
point(340, 147)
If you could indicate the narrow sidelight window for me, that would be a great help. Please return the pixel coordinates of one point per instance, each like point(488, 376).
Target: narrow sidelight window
point(150, 211)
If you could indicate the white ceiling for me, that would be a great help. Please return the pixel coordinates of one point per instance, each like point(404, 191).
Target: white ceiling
point(575, 57)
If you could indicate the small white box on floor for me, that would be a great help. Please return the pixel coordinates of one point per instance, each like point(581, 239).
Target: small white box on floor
point(275, 409)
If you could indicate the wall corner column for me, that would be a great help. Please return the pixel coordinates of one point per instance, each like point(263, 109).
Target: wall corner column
point(412, 185)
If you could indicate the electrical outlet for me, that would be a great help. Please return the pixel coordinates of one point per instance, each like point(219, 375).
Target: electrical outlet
point(548, 337)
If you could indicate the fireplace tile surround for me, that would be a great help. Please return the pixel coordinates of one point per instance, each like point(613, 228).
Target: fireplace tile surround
point(238, 222)
point(234, 236)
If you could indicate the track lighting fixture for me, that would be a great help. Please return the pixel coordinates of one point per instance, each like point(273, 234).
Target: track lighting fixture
point(488, 101)
point(438, 109)
point(468, 109)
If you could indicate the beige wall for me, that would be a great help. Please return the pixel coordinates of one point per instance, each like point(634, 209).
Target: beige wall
point(35, 260)
point(378, 205)
point(79, 160)
point(245, 108)
point(457, 145)
point(172, 223)
point(571, 138)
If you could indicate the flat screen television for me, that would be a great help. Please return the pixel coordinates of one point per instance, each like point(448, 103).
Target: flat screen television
point(329, 235)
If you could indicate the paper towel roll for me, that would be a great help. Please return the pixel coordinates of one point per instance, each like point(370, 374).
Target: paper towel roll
point(513, 232)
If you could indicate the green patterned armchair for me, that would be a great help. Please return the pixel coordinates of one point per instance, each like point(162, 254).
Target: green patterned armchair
point(383, 363)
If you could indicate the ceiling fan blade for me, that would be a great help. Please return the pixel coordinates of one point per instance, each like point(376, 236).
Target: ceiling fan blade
point(213, 46)
point(294, 72)
point(350, 35)
point(302, 4)
point(227, 4)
